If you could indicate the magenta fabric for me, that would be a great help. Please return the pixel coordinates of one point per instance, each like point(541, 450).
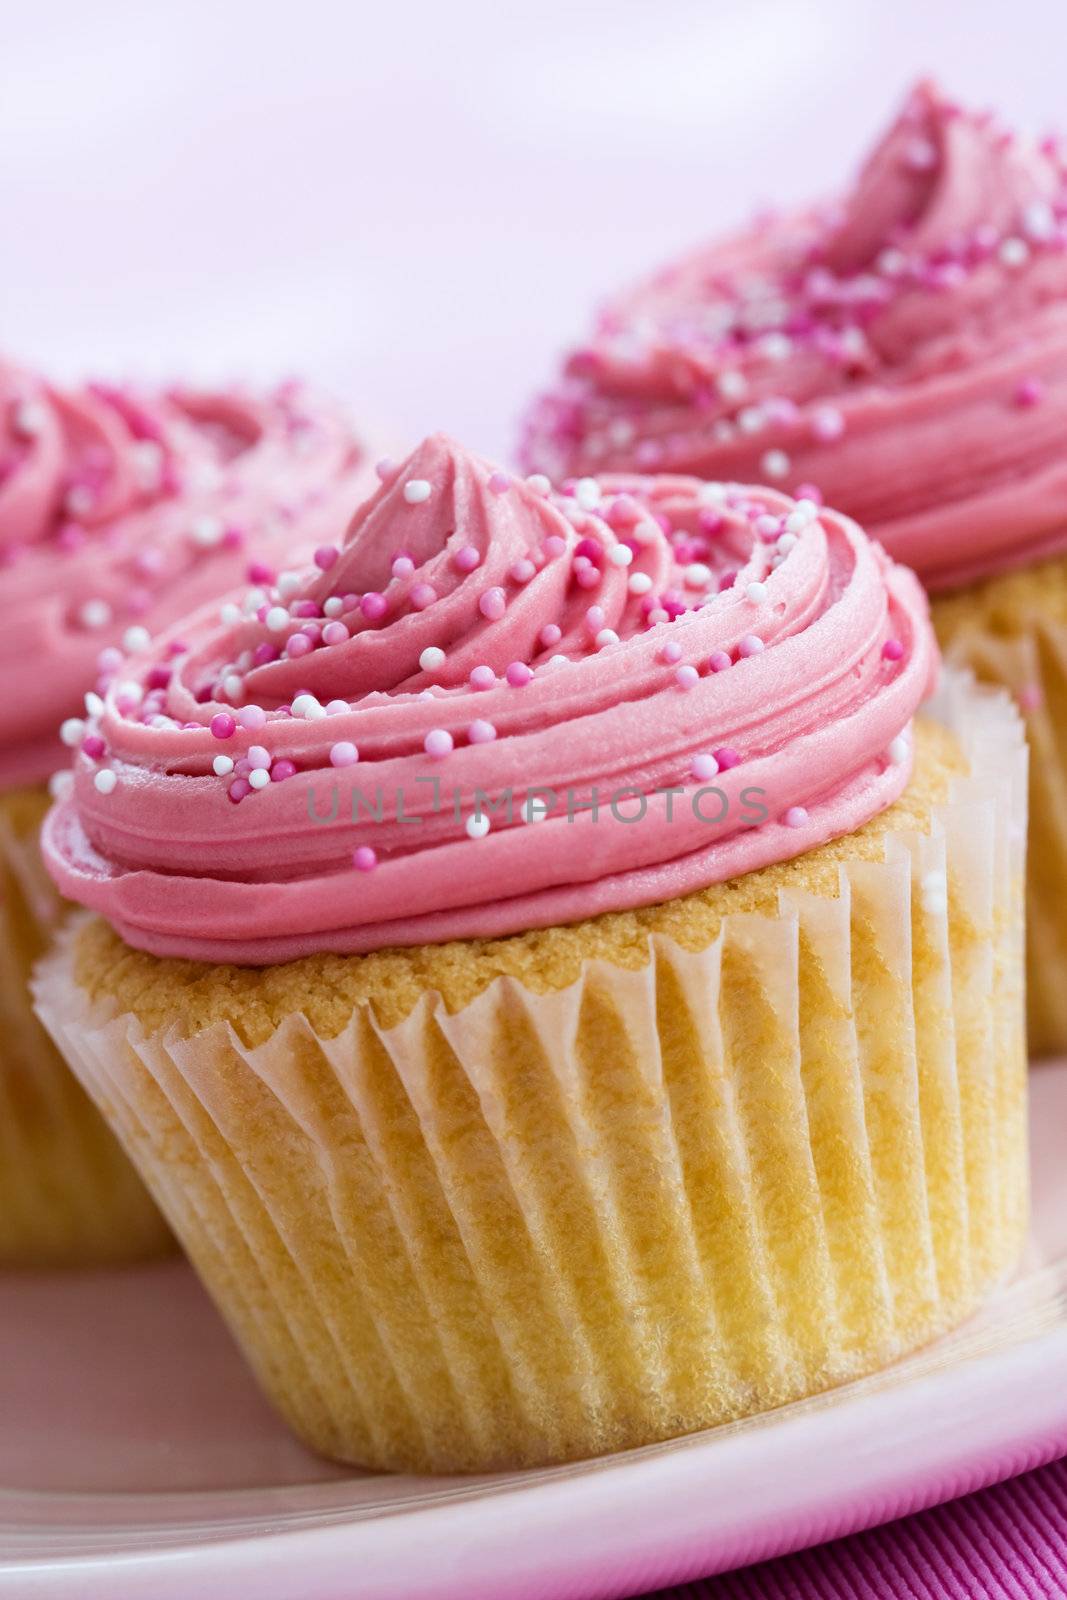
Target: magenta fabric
point(1004, 1543)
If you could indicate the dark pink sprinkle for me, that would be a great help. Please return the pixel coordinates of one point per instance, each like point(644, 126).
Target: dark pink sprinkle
point(158, 677)
point(892, 650)
point(223, 725)
point(373, 606)
point(1029, 392)
point(232, 537)
point(177, 647)
point(727, 580)
point(518, 674)
point(93, 746)
point(238, 789)
point(259, 573)
point(282, 769)
point(264, 652)
point(364, 859)
point(305, 608)
point(555, 545)
point(590, 549)
point(325, 556)
point(726, 758)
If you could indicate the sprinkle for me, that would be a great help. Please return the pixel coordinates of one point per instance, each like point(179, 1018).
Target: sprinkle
point(1029, 392)
point(343, 754)
point(282, 769)
point(477, 826)
point(29, 418)
point(539, 483)
point(897, 753)
point(534, 809)
point(1039, 221)
point(703, 767)
point(550, 635)
point(229, 614)
point(827, 424)
point(750, 645)
point(402, 567)
point(333, 607)
point(335, 633)
point(671, 652)
point(732, 384)
point(687, 677)
point(492, 604)
point(385, 469)
point(72, 731)
point(892, 650)
point(1030, 696)
point(222, 766)
point(751, 419)
point(105, 781)
point(756, 592)
point(467, 558)
point(698, 575)
point(645, 531)
point(718, 661)
point(259, 778)
point(94, 704)
point(639, 583)
point(785, 542)
point(620, 555)
point(499, 483)
point(482, 677)
point(438, 743)
point(95, 614)
point(364, 859)
point(775, 463)
point(251, 717)
point(222, 725)
point(325, 556)
point(277, 619)
point(308, 707)
point(258, 756)
point(606, 637)
point(206, 532)
point(298, 645)
point(521, 571)
point(93, 746)
point(587, 493)
point(727, 758)
point(518, 674)
point(60, 785)
point(795, 817)
point(1014, 252)
point(373, 606)
point(432, 658)
point(238, 789)
point(423, 595)
point(481, 732)
point(334, 708)
point(416, 490)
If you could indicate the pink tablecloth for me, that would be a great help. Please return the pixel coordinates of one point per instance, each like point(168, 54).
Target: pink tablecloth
point(1005, 1543)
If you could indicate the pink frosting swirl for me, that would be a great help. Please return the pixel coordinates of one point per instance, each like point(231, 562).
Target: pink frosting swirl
point(675, 681)
point(122, 511)
point(904, 350)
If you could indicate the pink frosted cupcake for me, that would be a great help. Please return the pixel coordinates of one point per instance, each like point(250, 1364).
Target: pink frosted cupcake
point(903, 352)
point(119, 511)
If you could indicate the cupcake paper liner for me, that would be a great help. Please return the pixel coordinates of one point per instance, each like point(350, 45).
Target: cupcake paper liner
point(68, 1194)
point(551, 1225)
point(1032, 663)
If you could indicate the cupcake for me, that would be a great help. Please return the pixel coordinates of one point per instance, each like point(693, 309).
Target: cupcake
point(904, 352)
point(577, 1002)
point(118, 512)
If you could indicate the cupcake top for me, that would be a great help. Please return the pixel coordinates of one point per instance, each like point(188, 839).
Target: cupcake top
point(495, 707)
point(904, 350)
point(120, 511)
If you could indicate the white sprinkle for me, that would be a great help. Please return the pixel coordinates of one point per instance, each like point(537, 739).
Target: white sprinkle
point(477, 825)
point(732, 384)
point(79, 501)
point(72, 732)
point(333, 607)
point(416, 490)
point(206, 531)
point(757, 592)
point(289, 583)
point(1039, 221)
point(587, 493)
point(751, 419)
point(254, 599)
point(148, 459)
point(897, 753)
point(775, 463)
point(432, 658)
point(711, 494)
point(645, 531)
point(620, 555)
point(539, 483)
point(94, 704)
point(534, 809)
point(605, 637)
point(277, 619)
point(136, 639)
point(1014, 252)
point(698, 575)
point(95, 614)
point(233, 686)
point(622, 432)
point(105, 780)
point(775, 346)
point(786, 542)
point(891, 263)
point(258, 778)
point(308, 707)
point(230, 613)
point(60, 785)
point(222, 766)
point(28, 418)
point(639, 583)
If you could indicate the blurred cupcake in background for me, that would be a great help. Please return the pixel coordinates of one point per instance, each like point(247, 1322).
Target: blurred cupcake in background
point(558, 992)
point(903, 353)
point(119, 511)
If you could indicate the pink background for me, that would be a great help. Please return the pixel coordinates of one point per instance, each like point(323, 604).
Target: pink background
point(419, 203)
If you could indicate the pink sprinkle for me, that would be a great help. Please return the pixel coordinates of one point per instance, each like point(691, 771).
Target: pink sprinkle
point(481, 732)
point(402, 567)
point(493, 604)
point(238, 789)
point(1031, 696)
point(704, 767)
point(109, 660)
point(222, 725)
point(334, 633)
point(670, 653)
point(373, 606)
point(587, 577)
point(687, 677)
point(482, 678)
point(750, 645)
point(708, 520)
point(282, 769)
point(232, 537)
point(728, 580)
point(726, 758)
point(423, 595)
point(809, 491)
point(499, 482)
point(343, 754)
point(518, 674)
point(258, 756)
point(827, 424)
point(892, 650)
point(297, 645)
point(335, 708)
point(718, 661)
point(1029, 392)
point(521, 571)
point(325, 556)
point(438, 743)
point(795, 817)
point(259, 573)
point(251, 717)
point(595, 619)
point(555, 545)
point(364, 859)
point(467, 558)
point(93, 746)
point(264, 653)
point(385, 469)
point(550, 635)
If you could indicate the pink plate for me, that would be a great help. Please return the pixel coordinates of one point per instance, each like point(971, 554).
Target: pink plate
point(137, 1461)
